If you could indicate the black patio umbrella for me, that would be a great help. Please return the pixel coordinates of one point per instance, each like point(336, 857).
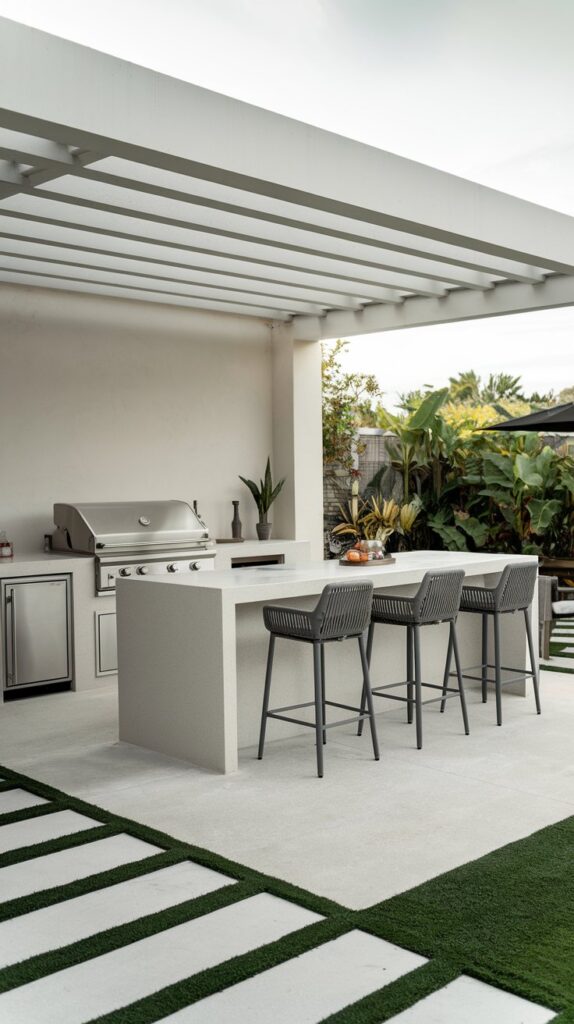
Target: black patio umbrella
point(558, 420)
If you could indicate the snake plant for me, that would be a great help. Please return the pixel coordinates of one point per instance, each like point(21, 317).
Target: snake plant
point(265, 494)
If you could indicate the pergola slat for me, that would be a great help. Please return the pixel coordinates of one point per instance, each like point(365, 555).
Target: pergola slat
point(149, 295)
point(108, 199)
point(65, 260)
point(106, 223)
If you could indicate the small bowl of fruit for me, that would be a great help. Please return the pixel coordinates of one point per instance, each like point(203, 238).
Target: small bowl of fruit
point(365, 551)
point(355, 556)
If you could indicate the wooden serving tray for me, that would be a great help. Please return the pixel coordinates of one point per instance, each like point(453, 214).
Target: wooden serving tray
point(387, 560)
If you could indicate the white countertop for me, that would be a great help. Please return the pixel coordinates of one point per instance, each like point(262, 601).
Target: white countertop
point(33, 563)
point(276, 582)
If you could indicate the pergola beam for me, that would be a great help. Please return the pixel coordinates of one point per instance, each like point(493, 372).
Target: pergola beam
point(130, 112)
point(508, 297)
point(10, 175)
point(28, 149)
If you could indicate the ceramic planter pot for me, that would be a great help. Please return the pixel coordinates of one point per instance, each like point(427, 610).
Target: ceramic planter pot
point(264, 530)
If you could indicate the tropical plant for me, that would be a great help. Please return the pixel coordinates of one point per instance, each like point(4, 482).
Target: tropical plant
point(350, 525)
point(530, 490)
point(380, 518)
point(500, 387)
point(501, 392)
point(466, 418)
point(377, 518)
point(465, 387)
point(346, 406)
point(419, 444)
point(265, 494)
point(480, 491)
point(466, 489)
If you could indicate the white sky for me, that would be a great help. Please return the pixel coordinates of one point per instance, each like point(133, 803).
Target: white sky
point(481, 88)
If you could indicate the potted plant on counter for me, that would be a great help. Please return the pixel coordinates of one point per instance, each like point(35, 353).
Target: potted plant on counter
point(264, 496)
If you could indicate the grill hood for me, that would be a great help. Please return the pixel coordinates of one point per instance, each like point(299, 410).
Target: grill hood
point(116, 526)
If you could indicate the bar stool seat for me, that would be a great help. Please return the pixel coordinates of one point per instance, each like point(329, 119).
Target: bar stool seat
point(513, 593)
point(437, 600)
point(342, 613)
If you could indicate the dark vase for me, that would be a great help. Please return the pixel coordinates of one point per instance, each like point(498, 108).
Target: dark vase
point(236, 522)
point(264, 529)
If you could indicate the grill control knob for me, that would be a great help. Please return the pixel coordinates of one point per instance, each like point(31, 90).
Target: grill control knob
point(125, 572)
point(194, 565)
point(142, 570)
point(173, 567)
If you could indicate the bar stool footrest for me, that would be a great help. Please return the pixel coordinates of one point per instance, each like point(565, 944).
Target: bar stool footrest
point(326, 725)
point(522, 674)
point(377, 690)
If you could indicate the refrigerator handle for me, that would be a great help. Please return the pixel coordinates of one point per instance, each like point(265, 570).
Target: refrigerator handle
point(11, 604)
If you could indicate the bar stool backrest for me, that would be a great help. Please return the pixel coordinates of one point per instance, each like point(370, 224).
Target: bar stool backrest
point(344, 609)
point(515, 589)
point(438, 597)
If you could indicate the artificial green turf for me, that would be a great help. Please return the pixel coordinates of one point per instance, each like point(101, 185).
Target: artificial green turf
point(507, 918)
point(557, 650)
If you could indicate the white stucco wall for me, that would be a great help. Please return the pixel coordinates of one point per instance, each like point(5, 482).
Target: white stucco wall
point(110, 399)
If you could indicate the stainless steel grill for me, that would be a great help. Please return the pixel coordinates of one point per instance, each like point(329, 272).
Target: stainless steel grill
point(134, 538)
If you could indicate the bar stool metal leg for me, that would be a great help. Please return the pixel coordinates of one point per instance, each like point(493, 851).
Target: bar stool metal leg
point(484, 658)
point(528, 621)
point(497, 668)
point(323, 691)
point(446, 676)
point(319, 730)
point(368, 697)
point(266, 695)
point(418, 687)
point(454, 642)
point(370, 636)
point(410, 674)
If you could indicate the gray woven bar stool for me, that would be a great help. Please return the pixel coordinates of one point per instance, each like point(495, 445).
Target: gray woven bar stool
point(437, 600)
point(513, 593)
point(342, 613)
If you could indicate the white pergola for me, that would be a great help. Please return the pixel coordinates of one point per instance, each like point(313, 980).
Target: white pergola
point(120, 181)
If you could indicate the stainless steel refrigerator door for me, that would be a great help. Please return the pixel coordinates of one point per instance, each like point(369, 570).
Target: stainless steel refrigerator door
point(37, 623)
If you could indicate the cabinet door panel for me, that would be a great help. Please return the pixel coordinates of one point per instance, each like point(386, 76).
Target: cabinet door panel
point(106, 643)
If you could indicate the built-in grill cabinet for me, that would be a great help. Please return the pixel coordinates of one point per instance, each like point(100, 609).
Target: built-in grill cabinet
point(134, 538)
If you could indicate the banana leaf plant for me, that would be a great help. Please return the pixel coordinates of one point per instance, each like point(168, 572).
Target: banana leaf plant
point(508, 492)
point(266, 493)
point(420, 445)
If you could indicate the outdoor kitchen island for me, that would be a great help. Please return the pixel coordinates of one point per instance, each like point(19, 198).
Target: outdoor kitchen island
point(192, 652)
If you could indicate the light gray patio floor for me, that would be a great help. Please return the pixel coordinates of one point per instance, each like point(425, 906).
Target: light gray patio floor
point(367, 830)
